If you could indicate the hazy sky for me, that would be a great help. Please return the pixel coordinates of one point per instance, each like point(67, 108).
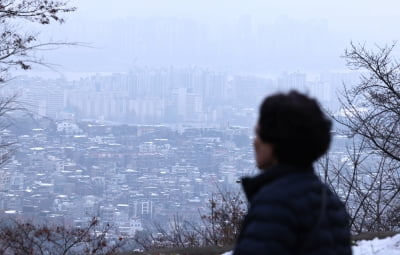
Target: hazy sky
point(335, 11)
point(362, 20)
point(299, 33)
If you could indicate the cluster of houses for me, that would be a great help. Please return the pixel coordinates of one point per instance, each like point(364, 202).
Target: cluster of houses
point(127, 175)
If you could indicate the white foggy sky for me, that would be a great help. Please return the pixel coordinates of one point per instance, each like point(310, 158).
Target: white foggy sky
point(361, 20)
point(325, 28)
point(337, 11)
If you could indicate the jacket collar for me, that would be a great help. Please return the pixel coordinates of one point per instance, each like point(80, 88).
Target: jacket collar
point(251, 185)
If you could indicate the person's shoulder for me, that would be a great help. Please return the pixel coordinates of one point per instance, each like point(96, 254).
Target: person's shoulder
point(290, 187)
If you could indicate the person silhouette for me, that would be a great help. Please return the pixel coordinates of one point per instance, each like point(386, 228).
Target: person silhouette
point(290, 210)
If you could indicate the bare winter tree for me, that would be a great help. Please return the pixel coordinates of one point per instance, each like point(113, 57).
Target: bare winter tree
point(8, 104)
point(17, 45)
point(24, 237)
point(372, 108)
point(367, 183)
point(367, 176)
point(17, 50)
point(219, 226)
point(177, 233)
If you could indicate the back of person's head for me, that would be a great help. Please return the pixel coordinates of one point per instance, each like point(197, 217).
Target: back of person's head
point(296, 127)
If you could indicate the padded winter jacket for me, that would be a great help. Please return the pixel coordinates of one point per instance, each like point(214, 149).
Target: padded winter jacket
point(292, 212)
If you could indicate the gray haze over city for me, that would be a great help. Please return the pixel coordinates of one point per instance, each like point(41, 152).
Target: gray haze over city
point(156, 108)
point(262, 37)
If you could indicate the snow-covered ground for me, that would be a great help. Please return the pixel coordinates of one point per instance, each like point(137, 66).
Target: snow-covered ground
point(387, 246)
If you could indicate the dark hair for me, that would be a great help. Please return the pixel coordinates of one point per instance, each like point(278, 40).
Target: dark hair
point(295, 125)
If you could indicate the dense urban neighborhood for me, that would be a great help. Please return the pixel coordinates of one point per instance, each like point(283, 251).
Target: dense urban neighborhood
point(68, 165)
point(123, 173)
